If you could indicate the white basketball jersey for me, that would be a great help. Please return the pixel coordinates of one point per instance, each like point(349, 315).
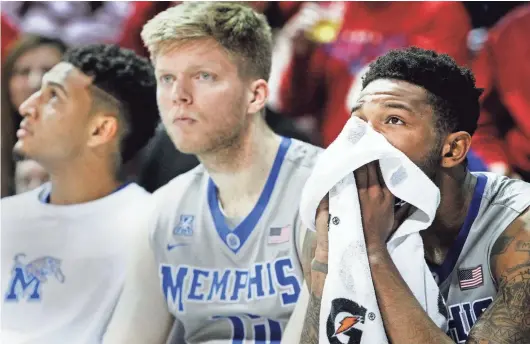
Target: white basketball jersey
point(63, 267)
point(465, 278)
point(230, 281)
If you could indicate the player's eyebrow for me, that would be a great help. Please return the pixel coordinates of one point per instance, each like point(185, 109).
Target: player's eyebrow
point(399, 106)
point(208, 64)
point(57, 85)
point(391, 105)
point(162, 71)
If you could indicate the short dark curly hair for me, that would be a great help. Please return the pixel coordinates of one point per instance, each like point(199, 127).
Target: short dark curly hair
point(130, 79)
point(451, 88)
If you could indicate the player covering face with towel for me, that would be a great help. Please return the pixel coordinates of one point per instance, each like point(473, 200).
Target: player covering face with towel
point(478, 245)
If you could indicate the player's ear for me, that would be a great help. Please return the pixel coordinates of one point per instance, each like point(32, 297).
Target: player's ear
point(257, 96)
point(103, 128)
point(455, 148)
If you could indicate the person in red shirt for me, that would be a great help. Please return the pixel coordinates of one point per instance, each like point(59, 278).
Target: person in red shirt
point(140, 14)
point(502, 139)
point(9, 35)
point(320, 79)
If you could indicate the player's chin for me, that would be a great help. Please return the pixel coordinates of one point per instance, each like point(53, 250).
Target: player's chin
point(188, 145)
point(22, 150)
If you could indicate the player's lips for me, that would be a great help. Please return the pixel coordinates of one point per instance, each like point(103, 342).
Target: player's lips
point(23, 131)
point(183, 120)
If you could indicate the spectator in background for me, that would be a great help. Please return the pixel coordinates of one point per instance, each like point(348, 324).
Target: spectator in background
point(502, 69)
point(139, 14)
point(9, 34)
point(317, 78)
point(26, 62)
point(74, 22)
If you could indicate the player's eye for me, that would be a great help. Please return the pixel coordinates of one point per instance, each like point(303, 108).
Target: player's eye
point(22, 72)
point(204, 76)
point(52, 94)
point(166, 79)
point(394, 121)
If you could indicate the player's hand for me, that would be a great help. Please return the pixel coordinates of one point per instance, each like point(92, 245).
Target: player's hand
point(322, 226)
point(377, 206)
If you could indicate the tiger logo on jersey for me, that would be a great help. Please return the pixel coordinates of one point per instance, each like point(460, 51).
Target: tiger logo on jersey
point(27, 278)
point(344, 320)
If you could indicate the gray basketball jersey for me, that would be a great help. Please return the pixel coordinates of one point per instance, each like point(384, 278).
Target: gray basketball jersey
point(466, 278)
point(228, 281)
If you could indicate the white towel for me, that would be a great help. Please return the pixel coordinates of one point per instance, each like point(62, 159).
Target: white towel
point(349, 296)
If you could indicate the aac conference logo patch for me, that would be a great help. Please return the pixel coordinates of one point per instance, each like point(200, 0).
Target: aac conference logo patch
point(344, 322)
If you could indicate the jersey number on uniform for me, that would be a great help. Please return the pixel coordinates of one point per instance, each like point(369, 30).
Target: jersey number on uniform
point(261, 335)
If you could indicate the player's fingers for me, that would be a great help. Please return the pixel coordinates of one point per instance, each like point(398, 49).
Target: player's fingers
point(322, 228)
point(321, 219)
point(361, 178)
point(372, 178)
point(324, 204)
point(380, 178)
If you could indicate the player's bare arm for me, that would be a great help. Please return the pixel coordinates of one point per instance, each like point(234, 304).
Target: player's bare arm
point(404, 319)
point(439, 151)
point(507, 320)
point(315, 266)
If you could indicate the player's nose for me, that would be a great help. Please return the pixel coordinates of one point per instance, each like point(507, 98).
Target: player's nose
point(181, 91)
point(29, 106)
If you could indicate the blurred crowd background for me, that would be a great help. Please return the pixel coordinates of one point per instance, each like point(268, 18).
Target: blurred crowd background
point(321, 51)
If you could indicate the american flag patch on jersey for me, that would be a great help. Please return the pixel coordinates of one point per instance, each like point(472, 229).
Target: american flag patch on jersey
point(279, 235)
point(470, 278)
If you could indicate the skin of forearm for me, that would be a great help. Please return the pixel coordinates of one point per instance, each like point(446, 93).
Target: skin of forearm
point(404, 319)
point(311, 322)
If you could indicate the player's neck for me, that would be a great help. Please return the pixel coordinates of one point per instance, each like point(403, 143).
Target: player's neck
point(241, 170)
point(456, 189)
point(81, 182)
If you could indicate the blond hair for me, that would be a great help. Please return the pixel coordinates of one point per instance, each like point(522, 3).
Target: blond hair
point(244, 34)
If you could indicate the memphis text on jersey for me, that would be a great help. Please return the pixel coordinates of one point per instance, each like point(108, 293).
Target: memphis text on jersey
point(184, 283)
point(463, 316)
